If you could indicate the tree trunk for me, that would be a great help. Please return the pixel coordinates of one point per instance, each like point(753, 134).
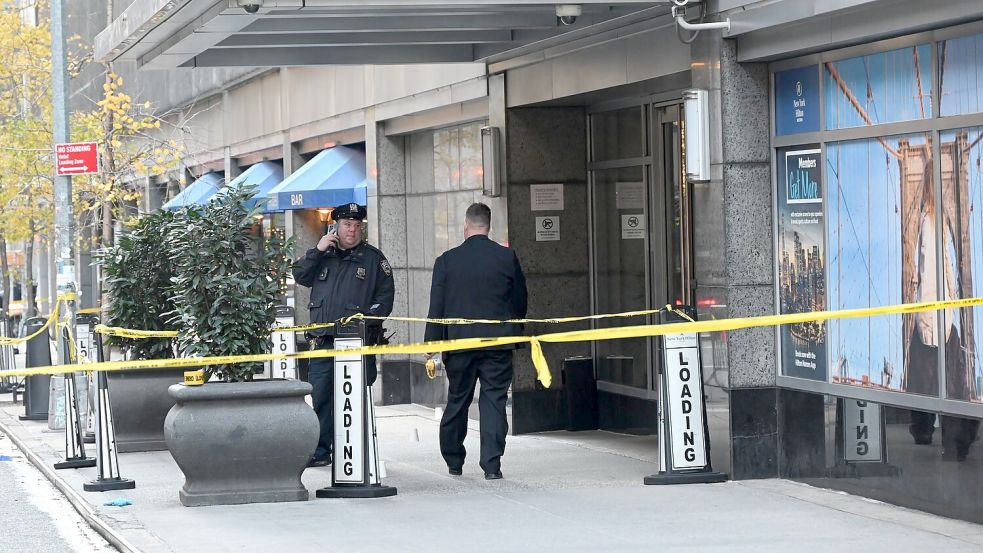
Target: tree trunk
point(28, 284)
point(5, 274)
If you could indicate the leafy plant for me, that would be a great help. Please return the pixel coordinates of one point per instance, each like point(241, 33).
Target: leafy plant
point(138, 274)
point(226, 281)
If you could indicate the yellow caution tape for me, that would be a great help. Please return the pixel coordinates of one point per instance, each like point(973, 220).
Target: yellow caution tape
point(132, 333)
point(538, 358)
point(194, 378)
point(89, 310)
point(462, 321)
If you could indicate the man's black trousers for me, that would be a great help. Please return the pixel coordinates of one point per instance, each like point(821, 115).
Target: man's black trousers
point(494, 369)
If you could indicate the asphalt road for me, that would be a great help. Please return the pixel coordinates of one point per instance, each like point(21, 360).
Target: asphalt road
point(34, 516)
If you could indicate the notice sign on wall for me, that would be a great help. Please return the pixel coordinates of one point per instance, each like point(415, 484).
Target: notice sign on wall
point(629, 195)
point(546, 197)
point(548, 228)
point(684, 401)
point(349, 405)
point(633, 226)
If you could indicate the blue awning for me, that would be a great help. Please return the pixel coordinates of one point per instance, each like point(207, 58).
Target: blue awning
point(335, 176)
point(197, 193)
point(264, 176)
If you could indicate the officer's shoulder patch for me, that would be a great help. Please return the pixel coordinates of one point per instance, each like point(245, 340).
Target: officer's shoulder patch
point(385, 267)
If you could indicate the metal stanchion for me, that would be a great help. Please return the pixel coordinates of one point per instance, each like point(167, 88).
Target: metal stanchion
point(84, 324)
point(355, 472)
point(106, 459)
point(684, 439)
point(74, 446)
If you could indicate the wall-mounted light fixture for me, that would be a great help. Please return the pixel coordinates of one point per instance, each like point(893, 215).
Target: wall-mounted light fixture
point(696, 120)
point(490, 159)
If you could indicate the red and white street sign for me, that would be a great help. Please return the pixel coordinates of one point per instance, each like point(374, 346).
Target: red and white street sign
point(78, 158)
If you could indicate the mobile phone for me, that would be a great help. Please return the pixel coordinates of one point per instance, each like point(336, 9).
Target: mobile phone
point(331, 229)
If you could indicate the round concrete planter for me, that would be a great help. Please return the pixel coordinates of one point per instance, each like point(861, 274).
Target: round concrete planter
point(140, 402)
point(241, 442)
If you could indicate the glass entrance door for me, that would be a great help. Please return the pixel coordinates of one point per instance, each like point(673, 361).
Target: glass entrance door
point(640, 234)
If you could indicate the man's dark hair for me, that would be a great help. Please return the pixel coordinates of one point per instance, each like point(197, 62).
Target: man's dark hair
point(479, 215)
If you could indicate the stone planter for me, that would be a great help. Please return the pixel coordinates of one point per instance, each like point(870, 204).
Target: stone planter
point(140, 402)
point(242, 442)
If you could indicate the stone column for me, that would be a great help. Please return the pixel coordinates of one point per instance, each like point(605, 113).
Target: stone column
point(547, 146)
point(734, 258)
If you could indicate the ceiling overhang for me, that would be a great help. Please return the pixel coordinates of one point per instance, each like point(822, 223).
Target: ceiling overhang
point(220, 33)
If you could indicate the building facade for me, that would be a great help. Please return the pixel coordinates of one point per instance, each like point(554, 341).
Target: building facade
point(844, 165)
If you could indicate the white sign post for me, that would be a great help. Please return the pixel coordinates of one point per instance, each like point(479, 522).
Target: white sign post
point(355, 471)
point(684, 443)
point(861, 431)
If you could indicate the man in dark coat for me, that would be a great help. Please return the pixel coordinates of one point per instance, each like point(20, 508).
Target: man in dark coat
point(346, 276)
point(479, 279)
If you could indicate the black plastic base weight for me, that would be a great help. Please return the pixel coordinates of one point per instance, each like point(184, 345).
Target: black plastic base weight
point(357, 492)
point(108, 484)
point(863, 470)
point(78, 463)
point(89, 439)
point(33, 417)
point(665, 478)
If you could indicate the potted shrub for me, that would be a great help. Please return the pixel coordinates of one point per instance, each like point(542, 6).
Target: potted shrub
point(236, 440)
point(137, 279)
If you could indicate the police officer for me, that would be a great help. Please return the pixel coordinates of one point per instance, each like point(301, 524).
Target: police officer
point(346, 276)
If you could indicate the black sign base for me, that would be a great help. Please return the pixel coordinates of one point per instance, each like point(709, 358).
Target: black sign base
point(89, 438)
point(108, 484)
point(863, 470)
point(664, 478)
point(357, 492)
point(77, 463)
point(43, 417)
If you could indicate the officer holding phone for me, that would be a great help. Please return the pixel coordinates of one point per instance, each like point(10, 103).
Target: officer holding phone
point(346, 276)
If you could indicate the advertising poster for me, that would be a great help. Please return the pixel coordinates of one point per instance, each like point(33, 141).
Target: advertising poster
point(802, 259)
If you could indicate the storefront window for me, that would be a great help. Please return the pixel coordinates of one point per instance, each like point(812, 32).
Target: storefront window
point(881, 227)
point(960, 76)
point(962, 242)
point(880, 88)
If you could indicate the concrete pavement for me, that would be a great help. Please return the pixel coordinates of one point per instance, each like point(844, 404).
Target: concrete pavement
point(562, 491)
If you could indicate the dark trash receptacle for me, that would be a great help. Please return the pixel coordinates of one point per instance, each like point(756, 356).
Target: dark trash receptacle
point(38, 355)
point(581, 389)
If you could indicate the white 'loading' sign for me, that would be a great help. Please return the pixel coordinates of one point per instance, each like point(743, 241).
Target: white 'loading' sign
point(684, 387)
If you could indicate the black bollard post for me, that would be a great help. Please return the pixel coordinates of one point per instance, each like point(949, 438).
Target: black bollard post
point(36, 388)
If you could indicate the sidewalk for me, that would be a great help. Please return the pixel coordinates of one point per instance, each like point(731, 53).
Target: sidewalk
point(561, 492)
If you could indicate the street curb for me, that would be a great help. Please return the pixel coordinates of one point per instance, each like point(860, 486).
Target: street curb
point(78, 502)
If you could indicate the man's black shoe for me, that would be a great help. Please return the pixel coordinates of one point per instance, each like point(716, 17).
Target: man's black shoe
point(493, 476)
point(315, 462)
point(455, 472)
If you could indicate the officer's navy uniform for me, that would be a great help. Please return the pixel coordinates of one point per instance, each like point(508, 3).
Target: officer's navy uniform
point(478, 279)
point(342, 283)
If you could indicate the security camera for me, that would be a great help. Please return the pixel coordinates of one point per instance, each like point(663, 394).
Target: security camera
point(568, 13)
point(251, 6)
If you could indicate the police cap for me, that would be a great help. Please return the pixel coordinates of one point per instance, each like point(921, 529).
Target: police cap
point(348, 211)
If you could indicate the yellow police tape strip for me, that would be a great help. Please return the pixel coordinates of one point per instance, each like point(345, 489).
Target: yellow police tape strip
point(535, 342)
point(138, 334)
point(460, 321)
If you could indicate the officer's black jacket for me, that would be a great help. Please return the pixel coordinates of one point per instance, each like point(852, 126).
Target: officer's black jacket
point(361, 282)
point(479, 279)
